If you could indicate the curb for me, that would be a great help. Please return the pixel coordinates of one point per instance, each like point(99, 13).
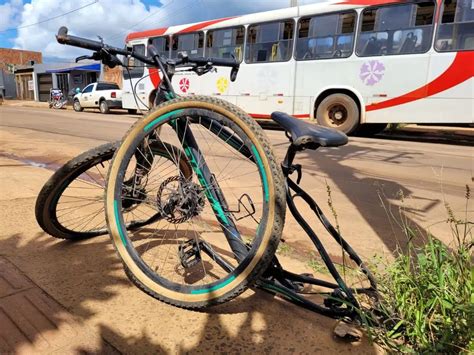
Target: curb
point(18, 103)
point(440, 130)
point(457, 136)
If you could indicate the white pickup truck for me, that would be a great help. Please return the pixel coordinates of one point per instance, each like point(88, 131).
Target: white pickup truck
point(104, 96)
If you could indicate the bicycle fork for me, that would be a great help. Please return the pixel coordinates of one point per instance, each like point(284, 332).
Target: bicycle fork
point(211, 188)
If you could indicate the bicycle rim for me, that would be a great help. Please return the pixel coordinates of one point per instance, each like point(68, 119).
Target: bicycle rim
point(219, 229)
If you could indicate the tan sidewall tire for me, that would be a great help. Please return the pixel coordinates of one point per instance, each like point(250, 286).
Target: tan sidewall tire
point(353, 113)
point(276, 207)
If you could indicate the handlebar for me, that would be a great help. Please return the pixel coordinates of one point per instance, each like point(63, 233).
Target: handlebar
point(64, 38)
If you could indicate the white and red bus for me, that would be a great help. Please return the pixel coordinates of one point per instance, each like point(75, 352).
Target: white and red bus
point(349, 64)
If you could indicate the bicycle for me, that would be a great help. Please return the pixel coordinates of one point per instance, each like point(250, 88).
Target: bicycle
point(197, 268)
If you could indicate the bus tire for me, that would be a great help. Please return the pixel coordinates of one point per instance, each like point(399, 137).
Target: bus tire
point(338, 111)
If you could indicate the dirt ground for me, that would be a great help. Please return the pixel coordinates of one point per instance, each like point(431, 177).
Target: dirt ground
point(63, 297)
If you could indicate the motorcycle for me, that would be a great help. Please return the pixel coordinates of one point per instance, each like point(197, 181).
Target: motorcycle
point(56, 99)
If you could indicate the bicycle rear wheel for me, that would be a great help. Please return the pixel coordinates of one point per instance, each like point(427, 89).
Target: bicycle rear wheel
point(71, 203)
point(219, 230)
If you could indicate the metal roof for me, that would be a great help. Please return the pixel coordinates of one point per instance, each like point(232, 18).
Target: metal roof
point(89, 67)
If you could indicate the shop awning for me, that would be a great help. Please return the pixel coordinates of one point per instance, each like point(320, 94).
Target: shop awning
point(89, 67)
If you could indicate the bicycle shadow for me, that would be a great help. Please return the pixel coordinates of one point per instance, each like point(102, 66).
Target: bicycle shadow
point(91, 295)
point(383, 205)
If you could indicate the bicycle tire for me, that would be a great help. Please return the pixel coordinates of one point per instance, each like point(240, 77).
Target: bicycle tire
point(46, 208)
point(267, 234)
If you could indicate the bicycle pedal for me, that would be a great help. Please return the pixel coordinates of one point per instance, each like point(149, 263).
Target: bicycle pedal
point(189, 253)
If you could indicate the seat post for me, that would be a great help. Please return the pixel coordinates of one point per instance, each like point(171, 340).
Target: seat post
point(287, 163)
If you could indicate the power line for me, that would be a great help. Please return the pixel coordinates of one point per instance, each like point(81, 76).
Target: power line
point(120, 34)
point(175, 13)
point(49, 19)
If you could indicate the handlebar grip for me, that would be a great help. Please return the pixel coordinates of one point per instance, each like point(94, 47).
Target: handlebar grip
point(63, 38)
point(219, 62)
point(152, 51)
point(222, 62)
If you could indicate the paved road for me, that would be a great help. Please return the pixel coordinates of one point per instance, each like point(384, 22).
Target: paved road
point(369, 177)
point(78, 298)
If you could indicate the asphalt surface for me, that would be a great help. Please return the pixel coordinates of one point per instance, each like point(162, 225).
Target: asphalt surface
point(59, 297)
point(370, 177)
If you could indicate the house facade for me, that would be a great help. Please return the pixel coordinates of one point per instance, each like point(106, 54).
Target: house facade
point(18, 85)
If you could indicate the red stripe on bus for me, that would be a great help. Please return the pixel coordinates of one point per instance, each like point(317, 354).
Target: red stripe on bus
point(148, 33)
point(200, 26)
point(154, 76)
point(258, 115)
point(460, 70)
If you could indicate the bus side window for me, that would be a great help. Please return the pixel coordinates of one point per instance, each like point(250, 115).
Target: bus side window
point(225, 43)
point(162, 45)
point(270, 42)
point(191, 44)
point(396, 29)
point(456, 28)
point(326, 36)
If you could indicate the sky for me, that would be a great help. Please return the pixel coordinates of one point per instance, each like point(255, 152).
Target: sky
point(110, 19)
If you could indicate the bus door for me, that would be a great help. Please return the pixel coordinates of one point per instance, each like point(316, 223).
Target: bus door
point(452, 66)
point(130, 78)
point(393, 60)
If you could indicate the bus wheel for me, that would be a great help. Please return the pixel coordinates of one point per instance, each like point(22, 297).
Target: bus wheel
point(338, 111)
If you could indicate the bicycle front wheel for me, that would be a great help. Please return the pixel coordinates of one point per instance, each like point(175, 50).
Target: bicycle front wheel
point(218, 230)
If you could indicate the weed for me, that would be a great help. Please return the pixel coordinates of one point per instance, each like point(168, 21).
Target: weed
point(284, 249)
point(331, 207)
point(317, 265)
point(426, 295)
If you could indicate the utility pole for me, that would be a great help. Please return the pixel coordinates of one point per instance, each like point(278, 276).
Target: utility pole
point(293, 3)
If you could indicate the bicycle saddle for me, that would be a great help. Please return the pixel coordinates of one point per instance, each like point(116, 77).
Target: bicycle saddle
point(309, 135)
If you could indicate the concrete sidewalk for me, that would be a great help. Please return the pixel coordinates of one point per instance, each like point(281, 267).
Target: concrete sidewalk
point(25, 103)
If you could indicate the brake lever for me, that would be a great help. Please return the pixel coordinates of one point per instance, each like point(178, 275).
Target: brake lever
point(204, 69)
point(235, 70)
point(111, 60)
point(83, 57)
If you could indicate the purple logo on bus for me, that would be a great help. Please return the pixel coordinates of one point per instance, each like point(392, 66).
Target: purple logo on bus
point(372, 72)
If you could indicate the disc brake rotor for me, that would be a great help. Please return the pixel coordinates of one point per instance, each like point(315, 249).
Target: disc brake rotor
point(178, 199)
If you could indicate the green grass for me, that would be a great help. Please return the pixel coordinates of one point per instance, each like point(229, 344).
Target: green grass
point(317, 265)
point(284, 249)
point(426, 299)
point(426, 294)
